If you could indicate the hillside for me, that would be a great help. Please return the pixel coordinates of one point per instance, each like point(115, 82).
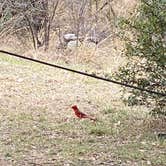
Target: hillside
point(38, 126)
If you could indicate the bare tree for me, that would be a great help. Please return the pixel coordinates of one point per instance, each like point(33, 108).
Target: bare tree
point(36, 19)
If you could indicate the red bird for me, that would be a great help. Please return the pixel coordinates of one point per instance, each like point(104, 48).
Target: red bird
point(80, 114)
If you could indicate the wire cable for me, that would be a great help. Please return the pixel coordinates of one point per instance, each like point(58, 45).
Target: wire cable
point(83, 73)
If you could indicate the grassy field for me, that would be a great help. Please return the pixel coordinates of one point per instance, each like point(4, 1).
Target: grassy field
point(38, 127)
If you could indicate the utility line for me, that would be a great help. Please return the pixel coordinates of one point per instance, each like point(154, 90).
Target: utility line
point(83, 73)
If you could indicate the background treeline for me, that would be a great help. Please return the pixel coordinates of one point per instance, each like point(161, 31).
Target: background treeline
point(38, 19)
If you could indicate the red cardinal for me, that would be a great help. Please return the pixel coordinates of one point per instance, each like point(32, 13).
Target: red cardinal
point(80, 114)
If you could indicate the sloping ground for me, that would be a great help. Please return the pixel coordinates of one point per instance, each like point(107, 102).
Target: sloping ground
point(38, 127)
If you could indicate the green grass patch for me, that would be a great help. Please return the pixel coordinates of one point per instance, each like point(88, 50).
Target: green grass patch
point(13, 60)
point(21, 62)
point(109, 110)
point(141, 152)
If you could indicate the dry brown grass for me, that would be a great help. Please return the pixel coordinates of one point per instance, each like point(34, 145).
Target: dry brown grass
point(38, 126)
point(124, 8)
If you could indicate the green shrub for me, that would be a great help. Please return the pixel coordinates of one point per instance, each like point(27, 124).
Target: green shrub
point(146, 52)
